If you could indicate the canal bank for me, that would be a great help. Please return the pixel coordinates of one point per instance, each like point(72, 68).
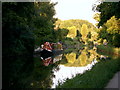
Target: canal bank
point(98, 77)
point(114, 52)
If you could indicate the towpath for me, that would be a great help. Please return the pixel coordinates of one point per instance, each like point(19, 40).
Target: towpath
point(114, 82)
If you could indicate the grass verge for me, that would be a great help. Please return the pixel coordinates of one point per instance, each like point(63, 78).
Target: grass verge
point(98, 76)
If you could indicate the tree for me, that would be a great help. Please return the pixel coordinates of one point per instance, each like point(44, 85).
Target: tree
point(113, 25)
point(94, 36)
point(84, 32)
point(73, 22)
point(24, 26)
point(109, 22)
point(17, 25)
point(97, 18)
point(44, 22)
point(107, 10)
point(72, 32)
point(78, 33)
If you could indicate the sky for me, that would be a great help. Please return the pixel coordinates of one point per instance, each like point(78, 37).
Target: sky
point(75, 9)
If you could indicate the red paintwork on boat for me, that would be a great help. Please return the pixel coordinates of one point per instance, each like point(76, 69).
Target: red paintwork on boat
point(47, 46)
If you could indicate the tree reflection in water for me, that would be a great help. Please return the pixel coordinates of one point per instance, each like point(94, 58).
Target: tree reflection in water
point(71, 65)
point(27, 72)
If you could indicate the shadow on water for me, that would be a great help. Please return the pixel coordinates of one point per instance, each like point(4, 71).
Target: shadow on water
point(27, 72)
point(34, 72)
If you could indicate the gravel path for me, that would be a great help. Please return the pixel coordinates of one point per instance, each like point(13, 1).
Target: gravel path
point(114, 82)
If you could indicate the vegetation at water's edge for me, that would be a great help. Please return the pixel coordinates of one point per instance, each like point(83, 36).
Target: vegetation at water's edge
point(22, 32)
point(24, 25)
point(100, 74)
point(28, 25)
point(98, 77)
point(109, 50)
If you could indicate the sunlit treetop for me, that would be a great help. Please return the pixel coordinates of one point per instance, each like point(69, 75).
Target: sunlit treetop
point(107, 10)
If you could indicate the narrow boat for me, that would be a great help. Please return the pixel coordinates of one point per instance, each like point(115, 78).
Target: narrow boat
point(46, 50)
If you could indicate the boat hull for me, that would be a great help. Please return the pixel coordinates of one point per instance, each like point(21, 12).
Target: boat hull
point(46, 53)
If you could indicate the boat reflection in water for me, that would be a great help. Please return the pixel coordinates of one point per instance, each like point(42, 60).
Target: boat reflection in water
point(47, 61)
point(70, 64)
point(51, 60)
point(75, 64)
point(48, 53)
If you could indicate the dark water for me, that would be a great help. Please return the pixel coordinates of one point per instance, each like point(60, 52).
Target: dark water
point(28, 72)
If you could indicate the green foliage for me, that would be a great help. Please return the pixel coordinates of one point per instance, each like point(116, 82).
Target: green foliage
point(76, 24)
point(60, 34)
point(78, 34)
point(108, 9)
point(44, 22)
point(25, 25)
point(110, 31)
point(116, 40)
point(84, 31)
point(72, 32)
point(94, 36)
point(96, 78)
point(17, 28)
point(109, 20)
point(113, 25)
point(97, 18)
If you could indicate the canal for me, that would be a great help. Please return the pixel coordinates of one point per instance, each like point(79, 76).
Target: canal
point(50, 72)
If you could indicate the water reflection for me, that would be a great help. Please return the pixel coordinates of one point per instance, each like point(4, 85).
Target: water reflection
point(74, 65)
point(57, 58)
point(26, 72)
point(69, 72)
point(71, 58)
point(51, 60)
point(85, 57)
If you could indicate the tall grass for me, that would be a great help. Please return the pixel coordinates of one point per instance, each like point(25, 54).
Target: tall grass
point(100, 74)
point(98, 77)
